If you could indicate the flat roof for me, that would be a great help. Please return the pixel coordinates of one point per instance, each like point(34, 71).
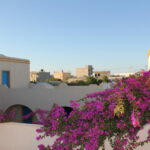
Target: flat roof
point(13, 59)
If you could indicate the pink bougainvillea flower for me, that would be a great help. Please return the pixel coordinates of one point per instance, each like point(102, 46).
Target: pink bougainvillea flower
point(134, 120)
point(89, 125)
point(74, 104)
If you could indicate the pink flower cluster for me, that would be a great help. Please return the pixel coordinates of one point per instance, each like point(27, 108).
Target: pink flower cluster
point(115, 114)
point(5, 117)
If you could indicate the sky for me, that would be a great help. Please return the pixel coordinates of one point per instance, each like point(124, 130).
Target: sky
point(63, 35)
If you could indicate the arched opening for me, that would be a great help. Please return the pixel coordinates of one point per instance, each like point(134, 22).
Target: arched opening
point(21, 111)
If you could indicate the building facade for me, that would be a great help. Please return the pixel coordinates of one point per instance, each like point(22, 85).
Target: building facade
point(43, 76)
point(128, 74)
point(14, 72)
point(62, 75)
point(101, 74)
point(85, 71)
point(33, 76)
point(27, 98)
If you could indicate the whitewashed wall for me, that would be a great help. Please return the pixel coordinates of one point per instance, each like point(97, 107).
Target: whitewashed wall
point(19, 136)
point(19, 73)
point(41, 97)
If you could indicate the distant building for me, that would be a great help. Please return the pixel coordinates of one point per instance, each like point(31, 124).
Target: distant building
point(43, 76)
point(115, 78)
point(138, 73)
point(101, 74)
point(62, 75)
point(149, 59)
point(85, 71)
point(14, 72)
point(33, 76)
point(124, 74)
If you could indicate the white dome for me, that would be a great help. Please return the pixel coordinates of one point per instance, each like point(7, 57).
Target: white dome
point(43, 85)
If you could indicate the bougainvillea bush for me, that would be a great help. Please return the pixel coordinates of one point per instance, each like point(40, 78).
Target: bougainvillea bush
point(115, 114)
point(6, 117)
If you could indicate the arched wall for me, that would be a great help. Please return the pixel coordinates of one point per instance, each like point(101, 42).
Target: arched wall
point(44, 98)
point(20, 111)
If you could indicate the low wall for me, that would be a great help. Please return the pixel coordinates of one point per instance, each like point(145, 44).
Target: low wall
point(42, 97)
point(19, 136)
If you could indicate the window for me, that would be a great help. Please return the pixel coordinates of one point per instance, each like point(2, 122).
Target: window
point(6, 78)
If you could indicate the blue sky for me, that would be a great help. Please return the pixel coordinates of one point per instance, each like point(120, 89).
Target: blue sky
point(66, 34)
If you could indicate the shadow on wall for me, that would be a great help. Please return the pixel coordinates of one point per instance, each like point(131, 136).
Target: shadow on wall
point(21, 111)
point(68, 110)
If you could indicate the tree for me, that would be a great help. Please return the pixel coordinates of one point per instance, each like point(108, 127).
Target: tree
point(92, 80)
point(105, 79)
point(88, 81)
point(79, 83)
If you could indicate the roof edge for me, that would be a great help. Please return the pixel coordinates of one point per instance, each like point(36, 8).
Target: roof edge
point(15, 60)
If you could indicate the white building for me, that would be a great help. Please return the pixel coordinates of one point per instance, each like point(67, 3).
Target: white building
point(127, 74)
point(14, 72)
point(101, 74)
point(26, 98)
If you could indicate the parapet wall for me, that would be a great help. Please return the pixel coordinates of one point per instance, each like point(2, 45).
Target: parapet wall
point(43, 97)
point(19, 136)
